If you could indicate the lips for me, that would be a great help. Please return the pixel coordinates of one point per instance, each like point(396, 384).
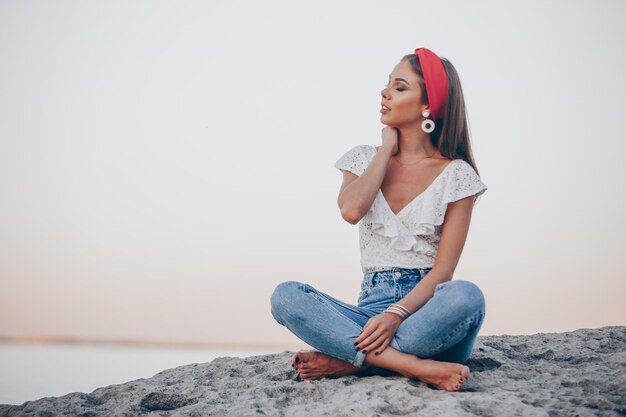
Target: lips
point(384, 107)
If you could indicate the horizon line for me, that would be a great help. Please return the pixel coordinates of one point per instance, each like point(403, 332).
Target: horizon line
point(74, 340)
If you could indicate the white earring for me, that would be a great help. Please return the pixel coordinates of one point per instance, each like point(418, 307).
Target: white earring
point(427, 125)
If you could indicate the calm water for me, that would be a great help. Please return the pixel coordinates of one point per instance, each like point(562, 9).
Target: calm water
point(32, 371)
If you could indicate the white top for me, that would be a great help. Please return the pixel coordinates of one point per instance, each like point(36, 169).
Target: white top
point(409, 239)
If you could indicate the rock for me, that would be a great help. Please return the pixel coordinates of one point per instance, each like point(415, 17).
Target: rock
point(579, 373)
point(162, 401)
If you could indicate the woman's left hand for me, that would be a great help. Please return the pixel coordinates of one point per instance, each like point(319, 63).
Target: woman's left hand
point(378, 332)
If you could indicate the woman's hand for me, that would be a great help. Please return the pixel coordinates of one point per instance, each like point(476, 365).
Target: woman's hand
point(390, 138)
point(378, 332)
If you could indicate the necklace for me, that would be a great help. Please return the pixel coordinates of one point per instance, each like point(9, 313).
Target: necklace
point(414, 163)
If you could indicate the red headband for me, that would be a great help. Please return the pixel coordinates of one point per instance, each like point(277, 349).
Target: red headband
point(435, 80)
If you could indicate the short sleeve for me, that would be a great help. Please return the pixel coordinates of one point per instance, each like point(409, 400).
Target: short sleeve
point(463, 182)
point(355, 160)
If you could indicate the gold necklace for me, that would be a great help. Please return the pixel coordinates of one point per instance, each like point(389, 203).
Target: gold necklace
point(413, 163)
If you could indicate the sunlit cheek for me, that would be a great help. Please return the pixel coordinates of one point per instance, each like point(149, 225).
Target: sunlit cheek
point(408, 110)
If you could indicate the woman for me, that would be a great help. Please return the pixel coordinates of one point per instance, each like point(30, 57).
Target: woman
point(413, 198)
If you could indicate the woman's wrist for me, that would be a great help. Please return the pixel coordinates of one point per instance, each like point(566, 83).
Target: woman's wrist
point(396, 315)
point(398, 310)
point(387, 149)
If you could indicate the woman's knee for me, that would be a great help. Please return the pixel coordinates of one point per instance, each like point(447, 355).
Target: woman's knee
point(466, 294)
point(283, 297)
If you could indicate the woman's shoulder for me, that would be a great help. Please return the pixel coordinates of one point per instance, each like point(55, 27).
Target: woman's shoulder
point(463, 166)
point(463, 180)
point(364, 153)
point(356, 159)
point(370, 149)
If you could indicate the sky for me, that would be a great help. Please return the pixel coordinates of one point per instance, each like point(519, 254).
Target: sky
point(165, 164)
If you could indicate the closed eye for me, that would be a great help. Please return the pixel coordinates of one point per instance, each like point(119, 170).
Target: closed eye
point(397, 89)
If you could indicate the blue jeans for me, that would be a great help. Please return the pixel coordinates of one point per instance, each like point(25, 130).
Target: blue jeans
point(444, 329)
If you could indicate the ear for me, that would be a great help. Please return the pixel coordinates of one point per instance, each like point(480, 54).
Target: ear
point(426, 108)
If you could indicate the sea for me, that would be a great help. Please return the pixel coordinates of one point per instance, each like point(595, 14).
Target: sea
point(30, 371)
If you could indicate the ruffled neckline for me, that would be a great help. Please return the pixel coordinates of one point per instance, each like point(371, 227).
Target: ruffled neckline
point(417, 197)
point(420, 216)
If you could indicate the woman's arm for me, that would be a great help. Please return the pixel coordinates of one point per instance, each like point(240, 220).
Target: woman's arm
point(379, 330)
point(453, 236)
point(357, 193)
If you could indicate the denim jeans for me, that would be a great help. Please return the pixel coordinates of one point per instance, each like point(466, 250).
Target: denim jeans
point(444, 329)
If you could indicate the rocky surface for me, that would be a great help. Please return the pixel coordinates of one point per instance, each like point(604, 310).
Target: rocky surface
point(579, 373)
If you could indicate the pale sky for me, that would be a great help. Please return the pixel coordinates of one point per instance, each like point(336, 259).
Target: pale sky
point(165, 164)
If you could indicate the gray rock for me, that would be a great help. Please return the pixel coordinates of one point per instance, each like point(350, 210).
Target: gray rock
point(579, 373)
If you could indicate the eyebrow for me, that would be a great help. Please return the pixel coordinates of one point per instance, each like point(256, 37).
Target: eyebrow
point(402, 79)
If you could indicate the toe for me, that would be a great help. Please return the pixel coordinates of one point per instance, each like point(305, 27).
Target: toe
point(300, 358)
point(455, 386)
point(460, 383)
point(305, 356)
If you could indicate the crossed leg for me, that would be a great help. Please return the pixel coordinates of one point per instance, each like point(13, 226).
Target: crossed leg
point(443, 375)
point(331, 326)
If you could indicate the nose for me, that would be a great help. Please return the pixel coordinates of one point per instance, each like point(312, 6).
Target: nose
point(383, 92)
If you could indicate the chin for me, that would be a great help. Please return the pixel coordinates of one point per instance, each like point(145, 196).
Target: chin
point(386, 123)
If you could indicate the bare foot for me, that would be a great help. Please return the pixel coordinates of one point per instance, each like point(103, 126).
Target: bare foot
point(444, 375)
point(316, 365)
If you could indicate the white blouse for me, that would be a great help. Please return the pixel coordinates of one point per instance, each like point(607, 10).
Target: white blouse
point(409, 239)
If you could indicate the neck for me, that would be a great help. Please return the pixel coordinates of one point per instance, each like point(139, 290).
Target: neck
point(413, 142)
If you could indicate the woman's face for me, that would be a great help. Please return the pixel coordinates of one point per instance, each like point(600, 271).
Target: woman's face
point(403, 97)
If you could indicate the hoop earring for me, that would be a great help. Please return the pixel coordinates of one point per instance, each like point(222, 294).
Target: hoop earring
point(427, 125)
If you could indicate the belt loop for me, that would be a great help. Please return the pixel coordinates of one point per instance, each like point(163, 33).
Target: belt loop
point(396, 273)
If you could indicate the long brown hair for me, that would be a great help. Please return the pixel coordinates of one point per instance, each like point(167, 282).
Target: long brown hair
point(452, 137)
